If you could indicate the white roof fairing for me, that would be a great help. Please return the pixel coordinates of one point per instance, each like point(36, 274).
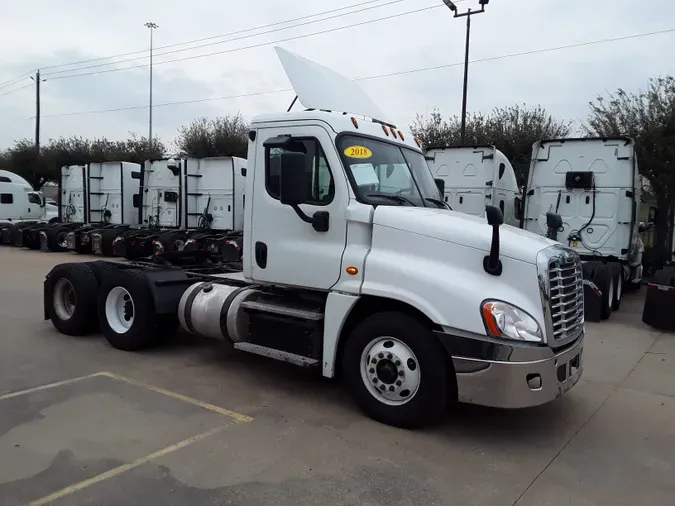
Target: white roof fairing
point(319, 87)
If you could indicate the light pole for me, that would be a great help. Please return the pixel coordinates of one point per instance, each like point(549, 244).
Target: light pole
point(152, 27)
point(468, 15)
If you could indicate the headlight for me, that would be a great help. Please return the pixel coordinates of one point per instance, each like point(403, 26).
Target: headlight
point(508, 322)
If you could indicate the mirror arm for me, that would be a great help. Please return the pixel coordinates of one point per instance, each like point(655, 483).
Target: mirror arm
point(301, 214)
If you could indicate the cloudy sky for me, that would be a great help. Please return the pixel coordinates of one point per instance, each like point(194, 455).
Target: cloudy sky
point(47, 34)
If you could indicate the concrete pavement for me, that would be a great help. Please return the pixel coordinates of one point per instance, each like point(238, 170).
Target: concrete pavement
point(198, 423)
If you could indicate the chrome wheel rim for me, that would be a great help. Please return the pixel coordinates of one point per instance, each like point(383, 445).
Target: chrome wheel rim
point(390, 371)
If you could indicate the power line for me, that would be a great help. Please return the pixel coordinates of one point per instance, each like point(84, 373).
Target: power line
point(16, 79)
point(262, 44)
point(17, 89)
point(237, 32)
point(380, 76)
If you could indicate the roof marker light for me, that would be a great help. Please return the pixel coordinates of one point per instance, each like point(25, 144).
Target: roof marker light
point(354, 122)
point(386, 130)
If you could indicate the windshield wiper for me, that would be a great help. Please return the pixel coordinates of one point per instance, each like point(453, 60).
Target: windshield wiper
point(438, 202)
point(396, 198)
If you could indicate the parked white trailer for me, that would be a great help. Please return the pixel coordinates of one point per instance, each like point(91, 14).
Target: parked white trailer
point(594, 185)
point(416, 306)
point(476, 176)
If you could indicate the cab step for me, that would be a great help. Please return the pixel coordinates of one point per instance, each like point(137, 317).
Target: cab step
point(266, 307)
point(282, 356)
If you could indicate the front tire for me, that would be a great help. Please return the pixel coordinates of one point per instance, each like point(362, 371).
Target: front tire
point(603, 277)
point(618, 285)
point(396, 370)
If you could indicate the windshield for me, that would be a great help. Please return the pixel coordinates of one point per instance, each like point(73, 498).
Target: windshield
point(384, 173)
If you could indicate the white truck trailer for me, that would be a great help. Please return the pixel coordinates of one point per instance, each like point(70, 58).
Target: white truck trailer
point(190, 202)
point(414, 305)
point(110, 204)
point(593, 185)
point(476, 176)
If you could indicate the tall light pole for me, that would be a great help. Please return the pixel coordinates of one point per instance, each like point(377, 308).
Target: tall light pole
point(468, 15)
point(152, 27)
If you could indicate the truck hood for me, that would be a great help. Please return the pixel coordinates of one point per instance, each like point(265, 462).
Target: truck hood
point(462, 229)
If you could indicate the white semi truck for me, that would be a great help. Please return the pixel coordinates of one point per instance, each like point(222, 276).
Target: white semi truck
point(593, 185)
point(189, 202)
point(20, 206)
point(476, 176)
point(413, 305)
point(72, 192)
point(110, 204)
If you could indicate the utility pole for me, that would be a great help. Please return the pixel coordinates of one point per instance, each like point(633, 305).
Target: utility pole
point(468, 15)
point(37, 111)
point(152, 27)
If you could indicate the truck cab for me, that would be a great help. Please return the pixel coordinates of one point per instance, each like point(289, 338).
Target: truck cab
point(476, 176)
point(18, 201)
point(593, 185)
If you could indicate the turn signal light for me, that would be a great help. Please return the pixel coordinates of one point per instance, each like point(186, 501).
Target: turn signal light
point(352, 271)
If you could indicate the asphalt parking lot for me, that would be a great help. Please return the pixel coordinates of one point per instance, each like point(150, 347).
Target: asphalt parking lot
point(195, 422)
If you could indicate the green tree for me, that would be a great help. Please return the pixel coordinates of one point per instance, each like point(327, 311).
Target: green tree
point(511, 129)
point(648, 116)
point(226, 136)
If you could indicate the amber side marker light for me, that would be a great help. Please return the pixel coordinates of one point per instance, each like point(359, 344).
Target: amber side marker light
point(352, 271)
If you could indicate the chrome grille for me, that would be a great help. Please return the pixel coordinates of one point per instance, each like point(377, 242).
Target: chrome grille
point(566, 297)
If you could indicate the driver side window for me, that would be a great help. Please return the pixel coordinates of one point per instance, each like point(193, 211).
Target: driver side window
point(322, 183)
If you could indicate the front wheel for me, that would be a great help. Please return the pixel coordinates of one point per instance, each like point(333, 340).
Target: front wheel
point(396, 370)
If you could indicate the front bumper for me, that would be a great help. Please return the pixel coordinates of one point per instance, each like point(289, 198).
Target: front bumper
point(512, 376)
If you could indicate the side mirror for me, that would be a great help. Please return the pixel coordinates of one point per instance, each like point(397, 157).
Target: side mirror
point(440, 183)
point(293, 179)
point(491, 263)
point(135, 174)
point(495, 217)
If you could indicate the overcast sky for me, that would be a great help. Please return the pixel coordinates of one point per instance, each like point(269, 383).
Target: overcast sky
point(46, 33)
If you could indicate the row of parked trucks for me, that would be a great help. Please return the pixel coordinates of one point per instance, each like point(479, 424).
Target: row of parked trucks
point(332, 246)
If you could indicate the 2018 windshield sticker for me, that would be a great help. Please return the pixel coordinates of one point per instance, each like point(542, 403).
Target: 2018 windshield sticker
point(358, 152)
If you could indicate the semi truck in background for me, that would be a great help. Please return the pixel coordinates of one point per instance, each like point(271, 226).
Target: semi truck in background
point(186, 203)
point(593, 185)
point(476, 176)
point(110, 203)
point(20, 206)
point(353, 272)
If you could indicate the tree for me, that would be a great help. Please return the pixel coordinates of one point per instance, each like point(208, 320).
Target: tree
point(511, 129)
point(21, 157)
point(648, 116)
point(226, 136)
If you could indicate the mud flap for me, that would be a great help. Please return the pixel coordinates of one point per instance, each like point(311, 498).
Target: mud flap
point(592, 302)
point(658, 308)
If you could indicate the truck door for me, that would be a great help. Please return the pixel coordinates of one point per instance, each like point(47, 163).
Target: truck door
point(34, 209)
point(284, 249)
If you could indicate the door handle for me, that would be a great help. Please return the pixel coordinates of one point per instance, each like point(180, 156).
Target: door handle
point(261, 254)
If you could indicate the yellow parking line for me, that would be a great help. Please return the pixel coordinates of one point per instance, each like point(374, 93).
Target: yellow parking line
point(238, 417)
point(124, 467)
point(49, 386)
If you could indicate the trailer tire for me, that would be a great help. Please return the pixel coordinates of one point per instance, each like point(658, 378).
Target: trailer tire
point(173, 241)
point(417, 357)
point(70, 298)
point(603, 277)
point(618, 285)
point(102, 270)
point(56, 238)
point(126, 311)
